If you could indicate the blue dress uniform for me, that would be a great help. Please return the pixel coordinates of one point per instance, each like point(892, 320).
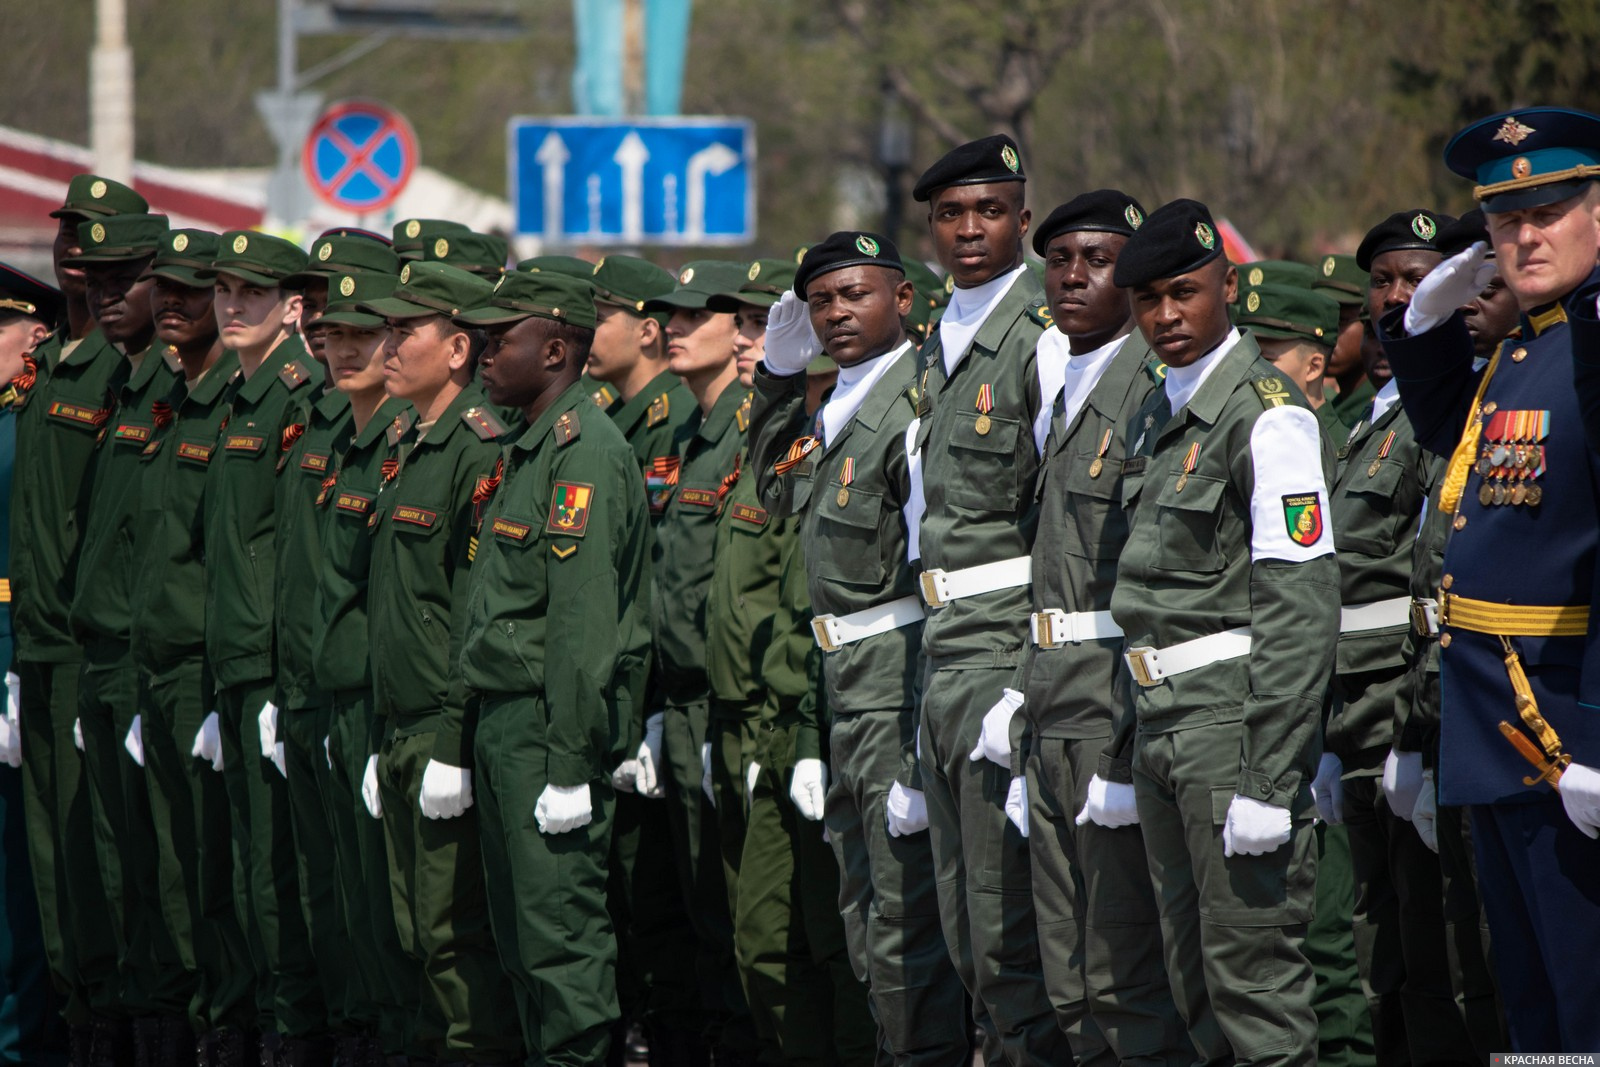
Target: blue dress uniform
point(1519, 655)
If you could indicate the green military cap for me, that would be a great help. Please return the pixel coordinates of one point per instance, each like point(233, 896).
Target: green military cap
point(800, 253)
point(1277, 272)
point(183, 254)
point(117, 239)
point(348, 292)
point(572, 266)
point(409, 234)
point(628, 282)
point(698, 282)
point(929, 286)
point(822, 363)
point(543, 294)
point(431, 289)
point(764, 284)
point(258, 258)
point(90, 196)
point(345, 253)
point(1283, 312)
point(481, 253)
point(1342, 278)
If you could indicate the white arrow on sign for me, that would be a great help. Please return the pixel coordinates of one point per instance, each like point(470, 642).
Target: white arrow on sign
point(553, 156)
point(709, 161)
point(630, 157)
point(595, 203)
point(669, 202)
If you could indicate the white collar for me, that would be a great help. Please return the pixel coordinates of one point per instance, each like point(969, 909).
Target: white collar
point(1183, 382)
point(968, 310)
point(854, 385)
point(1387, 397)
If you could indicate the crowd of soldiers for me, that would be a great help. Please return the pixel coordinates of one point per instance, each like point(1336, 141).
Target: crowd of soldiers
point(1142, 659)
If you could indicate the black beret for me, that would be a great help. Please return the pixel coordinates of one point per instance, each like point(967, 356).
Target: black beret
point(1461, 234)
point(1414, 229)
point(1177, 238)
point(992, 159)
point(847, 248)
point(1102, 211)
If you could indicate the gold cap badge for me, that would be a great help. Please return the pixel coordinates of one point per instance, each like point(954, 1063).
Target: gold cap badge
point(1520, 167)
point(347, 286)
point(1133, 215)
point(97, 233)
point(867, 246)
point(413, 228)
point(441, 248)
point(1252, 303)
point(1205, 235)
point(754, 272)
point(240, 243)
point(1008, 156)
point(598, 264)
point(97, 190)
point(405, 274)
point(325, 251)
point(180, 241)
point(1512, 132)
point(1255, 277)
point(1327, 267)
point(1424, 227)
point(687, 276)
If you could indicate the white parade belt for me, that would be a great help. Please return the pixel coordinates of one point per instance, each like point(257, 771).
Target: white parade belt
point(833, 632)
point(1150, 665)
point(1053, 628)
point(941, 587)
point(1379, 615)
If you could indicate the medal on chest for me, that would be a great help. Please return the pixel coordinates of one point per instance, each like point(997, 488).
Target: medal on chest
point(1512, 458)
point(985, 404)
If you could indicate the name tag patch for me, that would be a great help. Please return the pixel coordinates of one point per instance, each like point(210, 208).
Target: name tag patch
point(746, 513)
point(133, 433)
point(191, 451)
point(415, 516)
point(698, 498)
point(78, 413)
point(353, 502)
point(239, 442)
point(311, 461)
point(511, 530)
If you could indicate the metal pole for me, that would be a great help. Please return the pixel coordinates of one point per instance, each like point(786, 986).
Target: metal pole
point(111, 93)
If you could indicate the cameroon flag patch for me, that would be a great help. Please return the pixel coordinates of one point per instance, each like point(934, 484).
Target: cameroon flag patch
point(1302, 514)
point(569, 509)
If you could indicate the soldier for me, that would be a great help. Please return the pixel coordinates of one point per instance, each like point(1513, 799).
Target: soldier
point(1520, 484)
point(979, 404)
point(855, 490)
point(63, 387)
point(335, 252)
point(1227, 590)
point(629, 361)
point(1275, 272)
point(419, 779)
point(1295, 328)
point(565, 531)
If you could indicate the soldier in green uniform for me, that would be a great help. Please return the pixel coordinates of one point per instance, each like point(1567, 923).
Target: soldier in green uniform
point(63, 388)
point(335, 252)
point(1295, 328)
point(564, 537)
point(410, 235)
point(419, 779)
point(675, 755)
point(1227, 592)
point(1338, 276)
point(157, 985)
point(980, 461)
point(277, 381)
point(848, 473)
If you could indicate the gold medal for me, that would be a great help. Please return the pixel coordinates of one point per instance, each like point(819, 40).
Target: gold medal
point(982, 425)
point(843, 498)
point(1519, 493)
point(1535, 494)
point(1183, 480)
point(1485, 494)
point(1500, 494)
point(1096, 467)
point(1372, 468)
point(1484, 467)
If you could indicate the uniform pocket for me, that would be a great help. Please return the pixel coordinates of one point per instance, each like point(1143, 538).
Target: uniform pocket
point(848, 523)
point(1095, 526)
point(983, 449)
point(1187, 519)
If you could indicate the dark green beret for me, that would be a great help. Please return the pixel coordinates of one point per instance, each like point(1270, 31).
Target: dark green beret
point(118, 239)
point(1277, 272)
point(698, 282)
point(846, 248)
point(258, 258)
point(336, 254)
point(90, 196)
point(544, 294)
point(764, 285)
point(1342, 278)
point(572, 266)
point(481, 253)
point(431, 289)
point(1282, 312)
point(183, 254)
point(410, 233)
point(1402, 231)
point(23, 294)
point(981, 162)
point(628, 282)
point(1099, 211)
point(1176, 238)
point(348, 292)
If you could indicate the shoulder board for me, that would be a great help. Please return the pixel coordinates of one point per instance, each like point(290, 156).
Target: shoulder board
point(913, 393)
point(743, 414)
point(483, 422)
point(1040, 313)
point(658, 411)
point(1273, 392)
point(1156, 369)
point(294, 374)
point(603, 396)
point(566, 429)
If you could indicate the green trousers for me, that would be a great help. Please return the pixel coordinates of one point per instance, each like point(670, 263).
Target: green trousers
point(984, 879)
point(806, 1003)
point(1467, 935)
point(733, 748)
point(74, 911)
point(547, 892)
point(1232, 927)
point(441, 911)
point(189, 810)
point(1099, 927)
point(266, 883)
point(888, 900)
point(1344, 1029)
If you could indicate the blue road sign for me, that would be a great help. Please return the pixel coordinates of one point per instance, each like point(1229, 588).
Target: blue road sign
point(359, 156)
point(669, 181)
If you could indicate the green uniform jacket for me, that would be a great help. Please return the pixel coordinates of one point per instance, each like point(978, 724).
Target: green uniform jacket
point(241, 524)
point(1350, 408)
point(793, 654)
point(300, 556)
point(58, 422)
point(651, 422)
point(1186, 572)
point(169, 599)
point(106, 570)
point(605, 397)
point(685, 536)
point(1070, 691)
point(559, 590)
point(1416, 712)
point(979, 471)
point(425, 523)
point(1376, 503)
point(343, 651)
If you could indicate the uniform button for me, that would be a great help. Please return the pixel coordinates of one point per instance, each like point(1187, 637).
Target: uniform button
point(1461, 520)
point(1446, 582)
point(1444, 640)
point(1264, 789)
point(1490, 408)
point(1519, 355)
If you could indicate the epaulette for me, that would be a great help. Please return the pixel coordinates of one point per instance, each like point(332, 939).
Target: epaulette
point(396, 430)
point(566, 429)
point(658, 411)
point(742, 416)
point(1156, 369)
point(294, 374)
point(483, 422)
point(1040, 313)
point(1272, 392)
point(914, 393)
point(603, 397)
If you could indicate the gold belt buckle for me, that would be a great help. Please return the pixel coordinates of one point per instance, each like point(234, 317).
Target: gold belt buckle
point(1044, 630)
point(1444, 609)
point(824, 636)
point(1137, 666)
point(930, 588)
point(1419, 618)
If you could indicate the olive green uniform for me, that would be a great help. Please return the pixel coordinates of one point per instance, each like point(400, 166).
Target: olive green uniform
point(58, 421)
point(855, 558)
point(424, 522)
point(155, 978)
point(241, 584)
point(1245, 726)
point(1099, 929)
point(980, 466)
point(1349, 408)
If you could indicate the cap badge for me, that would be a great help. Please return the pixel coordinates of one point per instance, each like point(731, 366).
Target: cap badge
point(1205, 235)
point(405, 274)
point(180, 241)
point(97, 233)
point(1256, 277)
point(1008, 156)
point(413, 228)
point(1134, 216)
point(1252, 303)
point(1424, 227)
point(1520, 167)
point(1327, 267)
point(755, 271)
point(869, 247)
point(441, 248)
point(498, 282)
point(325, 250)
point(240, 243)
point(97, 190)
point(800, 253)
point(598, 264)
point(347, 286)
point(687, 276)
point(1512, 132)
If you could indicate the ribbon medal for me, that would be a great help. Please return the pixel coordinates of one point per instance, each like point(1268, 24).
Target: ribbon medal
point(985, 405)
point(1190, 461)
point(1383, 453)
point(847, 474)
point(1099, 463)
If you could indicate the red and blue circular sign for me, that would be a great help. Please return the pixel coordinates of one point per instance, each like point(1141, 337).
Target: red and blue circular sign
point(359, 156)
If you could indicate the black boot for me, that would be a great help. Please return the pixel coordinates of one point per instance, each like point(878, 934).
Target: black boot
point(232, 1048)
point(147, 1042)
point(81, 1037)
point(306, 1052)
point(112, 1044)
point(269, 1050)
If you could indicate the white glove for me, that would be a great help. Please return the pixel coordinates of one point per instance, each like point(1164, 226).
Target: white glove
point(1425, 816)
point(705, 773)
point(791, 342)
point(77, 733)
point(134, 742)
point(750, 777)
point(648, 782)
point(809, 788)
point(271, 747)
point(563, 807)
point(11, 723)
point(1402, 781)
point(327, 750)
point(1254, 828)
point(446, 790)
point(208, 741)
point(1109, 804)
point(1449, 285)
point(1017, 804)
point(369, 788)
point(624, 777)
point(1327, 789)
point(994, 740)
point(1580, 795)
point(906, 811)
